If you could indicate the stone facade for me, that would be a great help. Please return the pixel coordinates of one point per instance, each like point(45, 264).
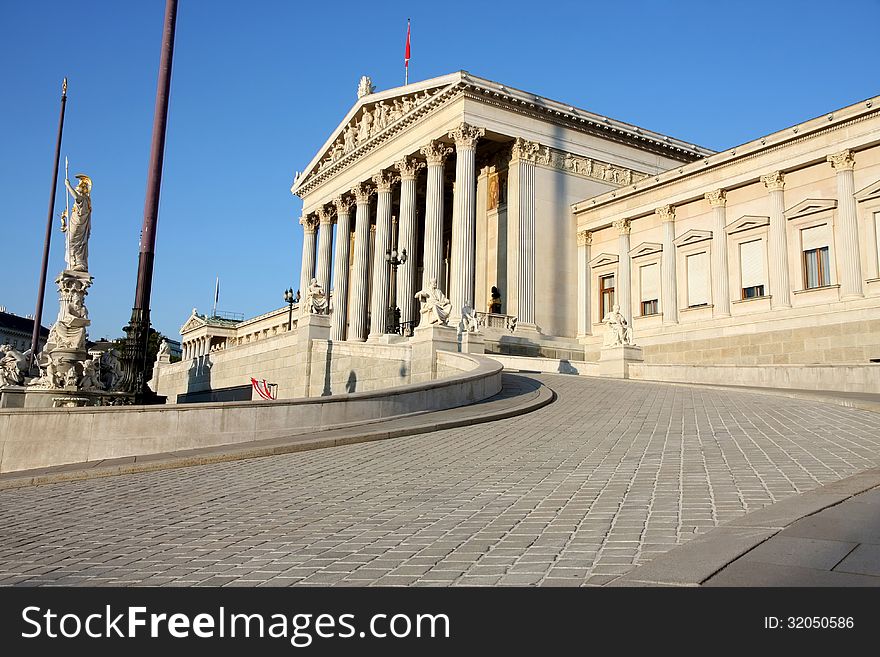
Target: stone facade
point(763, 254)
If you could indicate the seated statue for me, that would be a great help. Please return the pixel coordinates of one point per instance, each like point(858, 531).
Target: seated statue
point(91, 378)
point(316, 300)
point(435, 306)
point(618, 331)
point(469, 323)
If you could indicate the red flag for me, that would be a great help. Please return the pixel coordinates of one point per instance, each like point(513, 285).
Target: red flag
point(406, 56)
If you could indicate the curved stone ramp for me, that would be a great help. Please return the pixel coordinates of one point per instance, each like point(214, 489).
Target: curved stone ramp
point(518, 395)
point(799, 541)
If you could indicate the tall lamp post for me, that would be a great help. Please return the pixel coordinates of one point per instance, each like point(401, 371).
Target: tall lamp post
point(291, 299)
point(392, 317)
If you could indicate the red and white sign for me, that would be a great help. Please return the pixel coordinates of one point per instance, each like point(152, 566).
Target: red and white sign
point(267, 391)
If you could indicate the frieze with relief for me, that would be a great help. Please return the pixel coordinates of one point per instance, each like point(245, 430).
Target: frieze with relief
point(587, 167)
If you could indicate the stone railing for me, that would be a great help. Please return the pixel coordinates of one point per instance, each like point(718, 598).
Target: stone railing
point(496, 321)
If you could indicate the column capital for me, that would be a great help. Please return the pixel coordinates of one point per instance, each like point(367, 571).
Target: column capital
point(408, 167)
point(309, 223)
point(466, 136)
point(666, 213)
point(325, 215)
point(362, 193)
point(383, 181)
point(523, 149)
point(343, 204)
point(623, 226)
point(717, 198)
point(435, 152)
point(585, 237)
point(842, 161)
point(774, 182)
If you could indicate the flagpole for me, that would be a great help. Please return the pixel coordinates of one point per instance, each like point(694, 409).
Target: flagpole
point(406, 57)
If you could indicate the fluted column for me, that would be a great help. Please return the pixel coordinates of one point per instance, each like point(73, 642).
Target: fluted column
point(381, 272)
point(522, 166)
point(777, 242)
point(720, 283)
point(435, 153)
point(668, 284)
point(406, 240)
point(325, 247)
point(849, 262)
point(464, 218)
point(358, 323)
point(623, 284)
point(307, 269)
point(340, 267)
point(584, 240)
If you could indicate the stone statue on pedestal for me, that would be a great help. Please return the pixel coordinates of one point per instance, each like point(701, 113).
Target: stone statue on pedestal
point(435, 307)
point(618, 331)
point(79, 226)
point(13, 365)
point(469, 323)
point(316, 300)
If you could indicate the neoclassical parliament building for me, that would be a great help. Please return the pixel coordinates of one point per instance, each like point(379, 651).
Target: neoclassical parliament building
point(541, 217)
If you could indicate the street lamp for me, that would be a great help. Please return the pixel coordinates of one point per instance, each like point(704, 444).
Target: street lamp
point(392, 317)
point(291, 299)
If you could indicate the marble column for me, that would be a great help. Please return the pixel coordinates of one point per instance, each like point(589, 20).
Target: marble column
point(584, 240)
point(341, 259)
point(406, 240)
point(358, 323)
point(668, 284)
point(720, 282)
point(464, 219)
point(777, 242)
point(522, 166)
point(381, 269)
point(307, 269)
point(435, 153)
point(325, 247)
point(623, 285)
point(847, 227)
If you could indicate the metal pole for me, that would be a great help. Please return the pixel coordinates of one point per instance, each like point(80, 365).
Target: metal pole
point(41, 289)
point(138, 330)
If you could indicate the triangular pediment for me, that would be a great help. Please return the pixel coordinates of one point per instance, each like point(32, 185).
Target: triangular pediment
point(195, 321)
point(604, 259)
point(645, 248)
point(385, 112)
point(747, 222)
point(869, 192)
point(810, 206)
point(692, 237)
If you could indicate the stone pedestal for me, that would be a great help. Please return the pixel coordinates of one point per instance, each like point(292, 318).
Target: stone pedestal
point(472, 343)
point(312, 327)
point(386, 338)
point(426, 342)
point(614, 361)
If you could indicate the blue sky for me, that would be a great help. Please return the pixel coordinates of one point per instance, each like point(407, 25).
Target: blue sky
point(257, 88)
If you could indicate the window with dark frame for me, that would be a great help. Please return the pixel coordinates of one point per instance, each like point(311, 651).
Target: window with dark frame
point(651, 307)
point(606, 295)
point(816, 268)
point(753, 292)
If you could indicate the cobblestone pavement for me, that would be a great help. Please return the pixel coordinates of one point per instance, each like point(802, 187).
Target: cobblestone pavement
point(610, 475)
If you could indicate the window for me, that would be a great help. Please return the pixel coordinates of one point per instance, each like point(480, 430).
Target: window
point(649, 285)
point(698, 279)
point(606, 295)
point(814, 242)
point(751, 266)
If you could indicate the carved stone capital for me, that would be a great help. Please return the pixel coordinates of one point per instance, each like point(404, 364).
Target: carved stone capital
point(325, 215)
point(717, 198)
point(408, 167)
point(623, 226)
point(665, 213)
point(466, 136)
point(435, 152)
point(774, 182)
point(585, 237)
point(525, 150)
point(343, 204)
point(842, 161)
point(309, 223)
point(362, 193)
point(383, 181)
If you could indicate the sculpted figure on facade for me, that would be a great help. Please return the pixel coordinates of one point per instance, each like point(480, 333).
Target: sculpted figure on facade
point(364, 127)
point(349, 137)
point(469, 323)
point(79, 226)
point(618, 331)
point(381, 116)
point(365, 86)
point(91, 377)
point(435, 307)
point(13, 365)
point(316, 300)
